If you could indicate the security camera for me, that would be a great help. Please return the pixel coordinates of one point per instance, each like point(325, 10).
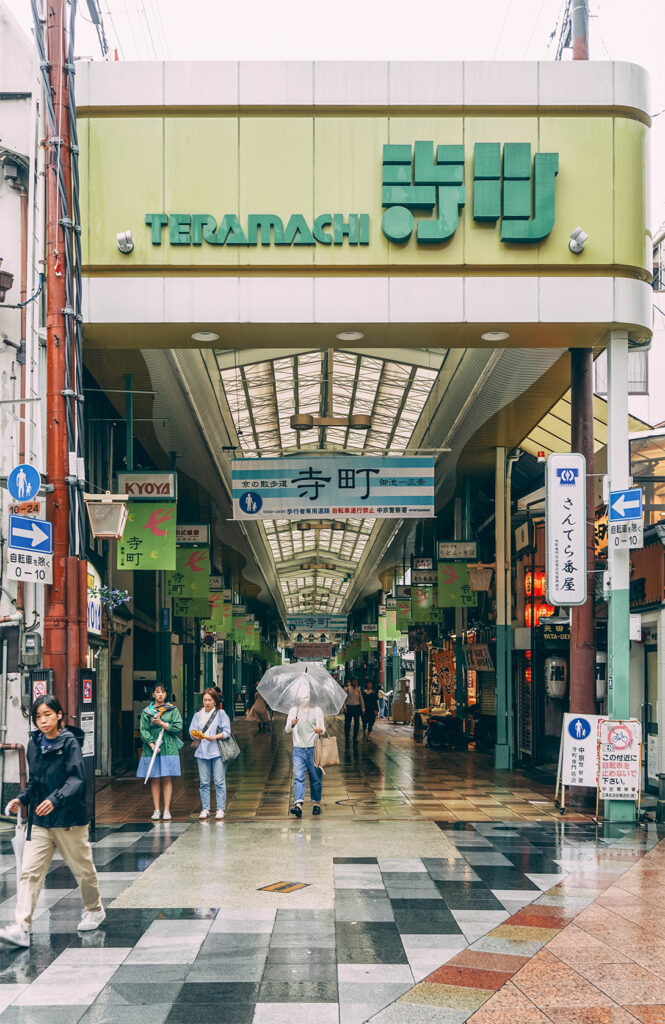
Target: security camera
point(125, 242)
point(577, 241)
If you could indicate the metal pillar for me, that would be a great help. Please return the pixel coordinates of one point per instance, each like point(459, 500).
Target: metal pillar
point(582, 633)
point(502, 750)
point(459, 619)
point(618, 559)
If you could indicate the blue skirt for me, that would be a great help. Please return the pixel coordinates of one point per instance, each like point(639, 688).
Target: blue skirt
point(165, 765)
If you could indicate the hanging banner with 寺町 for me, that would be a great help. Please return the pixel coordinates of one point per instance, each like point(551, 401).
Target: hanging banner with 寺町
point(403, 614)
point(454, 587)
point(191, 576)
point(424, 607)
point(149, 538)
point(333, 486)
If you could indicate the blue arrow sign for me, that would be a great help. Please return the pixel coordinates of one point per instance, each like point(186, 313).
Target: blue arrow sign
point(23, 482)
point(626, 505)
point(31, 534)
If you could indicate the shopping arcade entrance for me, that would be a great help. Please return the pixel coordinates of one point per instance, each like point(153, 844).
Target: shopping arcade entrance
point(422, 311)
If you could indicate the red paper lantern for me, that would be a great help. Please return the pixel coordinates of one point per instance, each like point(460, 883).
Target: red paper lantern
point(539, 583)
point(540, 611)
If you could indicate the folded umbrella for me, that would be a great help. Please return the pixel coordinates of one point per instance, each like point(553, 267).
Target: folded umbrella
point(286, 686)
point(154, 755)
point(18, 842)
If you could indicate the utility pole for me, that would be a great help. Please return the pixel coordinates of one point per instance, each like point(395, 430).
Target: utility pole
point(64, 636)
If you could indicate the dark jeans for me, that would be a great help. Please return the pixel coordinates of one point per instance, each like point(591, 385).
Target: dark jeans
point(351, 713)
point(368, 721)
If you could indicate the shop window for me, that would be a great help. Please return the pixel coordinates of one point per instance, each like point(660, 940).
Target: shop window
point(638, 374)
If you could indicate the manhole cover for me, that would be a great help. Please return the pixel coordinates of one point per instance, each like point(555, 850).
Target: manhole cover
point(283, 887)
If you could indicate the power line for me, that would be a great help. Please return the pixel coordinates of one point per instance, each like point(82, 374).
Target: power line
point(505, 19)
point(533, 30)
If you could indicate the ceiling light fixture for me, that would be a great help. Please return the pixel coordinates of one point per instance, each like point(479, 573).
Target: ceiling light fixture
point(305, 421)
point(495, 336)
point(205, 336)
point(350, 336)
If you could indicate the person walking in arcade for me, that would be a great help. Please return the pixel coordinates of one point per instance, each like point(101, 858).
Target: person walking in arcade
point(305, 723)
point(57, 820)
point(160, 717)
point(354, 707)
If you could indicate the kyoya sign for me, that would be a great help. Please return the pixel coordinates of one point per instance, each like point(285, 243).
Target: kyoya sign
point(565, 525)
point(148, 486)
point(309, 651)
point(619, 757)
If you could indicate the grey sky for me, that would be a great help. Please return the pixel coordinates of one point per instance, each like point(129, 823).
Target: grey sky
point(389, 29)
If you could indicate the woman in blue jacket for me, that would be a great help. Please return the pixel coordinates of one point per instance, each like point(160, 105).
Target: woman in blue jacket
point(57, 820)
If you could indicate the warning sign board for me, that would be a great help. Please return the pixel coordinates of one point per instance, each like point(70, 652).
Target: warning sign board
point(619, 759)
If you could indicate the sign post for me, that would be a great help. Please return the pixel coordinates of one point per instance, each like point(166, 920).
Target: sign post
point(617, 590)
point(625, 519)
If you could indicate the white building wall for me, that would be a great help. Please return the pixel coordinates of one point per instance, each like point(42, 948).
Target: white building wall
point(19, 132)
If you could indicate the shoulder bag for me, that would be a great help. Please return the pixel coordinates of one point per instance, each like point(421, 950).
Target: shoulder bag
point(195, 743)
point(325, 751)
point(228, 749)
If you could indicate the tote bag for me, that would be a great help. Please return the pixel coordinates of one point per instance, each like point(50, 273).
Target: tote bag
point(228, 749)
point(325, 751)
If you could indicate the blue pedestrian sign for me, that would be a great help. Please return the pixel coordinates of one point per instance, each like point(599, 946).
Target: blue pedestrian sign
point(579, 728)
point(31, 534)
point(626, 505)
point(23, 482)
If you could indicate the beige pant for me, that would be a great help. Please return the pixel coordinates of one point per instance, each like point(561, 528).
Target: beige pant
point(72, 844)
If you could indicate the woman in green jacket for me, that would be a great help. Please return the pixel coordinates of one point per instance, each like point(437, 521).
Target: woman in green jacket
point(160, 717)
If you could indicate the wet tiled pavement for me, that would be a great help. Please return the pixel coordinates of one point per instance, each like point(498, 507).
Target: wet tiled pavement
point(388, 776)
point(516, 921)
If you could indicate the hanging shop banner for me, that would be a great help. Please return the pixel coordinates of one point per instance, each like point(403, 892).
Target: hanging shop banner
point(192, 533)
point(369, 641)
point(422, 636)
point(191, 577)
point(333, 486)
point(454, 587)
point(465, 549)
point(383, 625)
point(316, 623)
point(424, 577)
point(403, 614)
point(619, 759)
point(393, 633)
point(579, 741)
point(565, 529)
point(239, 630)
point(424, 607)
point(478, 658)
point(309, 651)
point(151, 486)
point(149, 538)
point(443, 679)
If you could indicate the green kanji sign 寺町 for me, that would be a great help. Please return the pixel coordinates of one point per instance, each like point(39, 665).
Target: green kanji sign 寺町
point(424, 605)
point(454, 588)
point(191, 577)
point(148, 542)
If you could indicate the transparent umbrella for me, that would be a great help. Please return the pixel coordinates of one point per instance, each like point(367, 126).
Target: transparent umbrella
point(286, 686)
point(18, 842)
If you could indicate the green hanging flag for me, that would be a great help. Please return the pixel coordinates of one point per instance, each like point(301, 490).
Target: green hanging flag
point(149, 538)
point(403, 614)
point(424, 607)
point(191, 577)
point(454, 588)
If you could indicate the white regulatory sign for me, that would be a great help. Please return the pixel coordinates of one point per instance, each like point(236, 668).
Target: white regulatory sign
point(580, 750)
point(29, 567)
point(565, 522)
point(619, 767)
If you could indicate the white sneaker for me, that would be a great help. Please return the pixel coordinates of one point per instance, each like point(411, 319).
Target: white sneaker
point(166, 816)
point(156, 815)
point(204, 814)
point(220, 814)
point(91, 920)
point(13, 935)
